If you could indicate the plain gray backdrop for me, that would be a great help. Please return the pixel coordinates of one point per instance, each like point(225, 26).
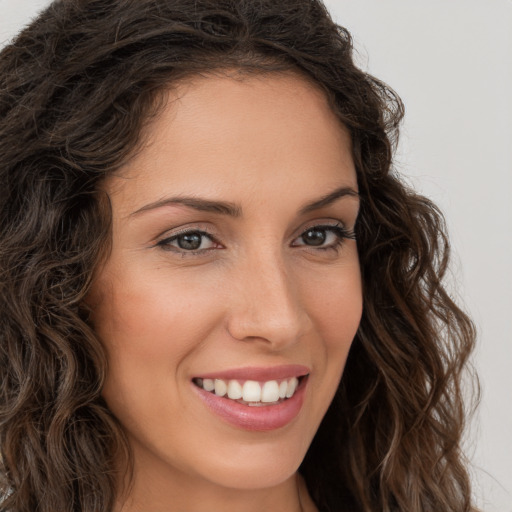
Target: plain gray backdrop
point(451, 62)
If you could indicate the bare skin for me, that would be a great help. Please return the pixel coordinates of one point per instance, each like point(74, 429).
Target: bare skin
point(258, 174)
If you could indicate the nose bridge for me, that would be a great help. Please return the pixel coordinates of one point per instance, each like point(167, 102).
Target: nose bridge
point(267, 304)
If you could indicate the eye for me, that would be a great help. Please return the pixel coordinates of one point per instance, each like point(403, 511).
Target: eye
point(188, 241)
point(324, 236)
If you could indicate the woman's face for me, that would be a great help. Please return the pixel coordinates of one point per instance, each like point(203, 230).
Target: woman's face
point(233, 265)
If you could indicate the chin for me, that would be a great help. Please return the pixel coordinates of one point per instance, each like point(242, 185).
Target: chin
point(259, 465)
point(254, 475)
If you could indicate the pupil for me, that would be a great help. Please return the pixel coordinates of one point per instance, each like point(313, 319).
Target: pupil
point(314, 237)
point(190, 241)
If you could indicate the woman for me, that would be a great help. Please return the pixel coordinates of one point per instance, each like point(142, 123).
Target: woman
point(215, 293)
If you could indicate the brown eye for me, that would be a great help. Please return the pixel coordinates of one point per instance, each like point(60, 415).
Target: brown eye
point(314, 237)
point(324, 237)
point(189, 241)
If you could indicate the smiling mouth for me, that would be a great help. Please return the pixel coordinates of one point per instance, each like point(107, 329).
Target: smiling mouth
point(250, 392)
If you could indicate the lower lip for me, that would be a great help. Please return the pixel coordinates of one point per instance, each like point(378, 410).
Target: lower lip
point(260, 418)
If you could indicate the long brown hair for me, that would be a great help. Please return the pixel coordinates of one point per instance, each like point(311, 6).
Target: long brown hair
point(77, 87)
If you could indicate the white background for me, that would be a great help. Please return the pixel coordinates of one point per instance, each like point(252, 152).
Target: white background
point(451, 62)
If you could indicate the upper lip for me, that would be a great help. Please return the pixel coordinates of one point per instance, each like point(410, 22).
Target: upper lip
point(258, 373)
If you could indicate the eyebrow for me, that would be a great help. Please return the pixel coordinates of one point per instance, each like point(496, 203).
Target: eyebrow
point(328, 199)
point(203, 205)
point(234, 210)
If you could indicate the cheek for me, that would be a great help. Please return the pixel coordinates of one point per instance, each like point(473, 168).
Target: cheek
point(145, 317)
point(335, 304)
point(149, 329)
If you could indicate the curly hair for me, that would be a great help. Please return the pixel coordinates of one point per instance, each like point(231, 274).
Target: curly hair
point(77, 87)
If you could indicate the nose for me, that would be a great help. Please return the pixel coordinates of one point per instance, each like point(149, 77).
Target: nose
point(266, 303)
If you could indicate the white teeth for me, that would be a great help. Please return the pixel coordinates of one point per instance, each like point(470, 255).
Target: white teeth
point(282, 389)
point(234, 390)
point(251, 391)
point(220, 387)
point(292, 386)
point(208, 384)
point(270, 391)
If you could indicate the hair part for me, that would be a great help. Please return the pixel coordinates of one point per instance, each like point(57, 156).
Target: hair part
point(77, 88)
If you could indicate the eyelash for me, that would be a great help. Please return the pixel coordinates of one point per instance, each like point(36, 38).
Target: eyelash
point(339, 231)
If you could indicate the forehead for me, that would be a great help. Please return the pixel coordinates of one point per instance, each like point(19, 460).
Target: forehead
point(218, 130)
